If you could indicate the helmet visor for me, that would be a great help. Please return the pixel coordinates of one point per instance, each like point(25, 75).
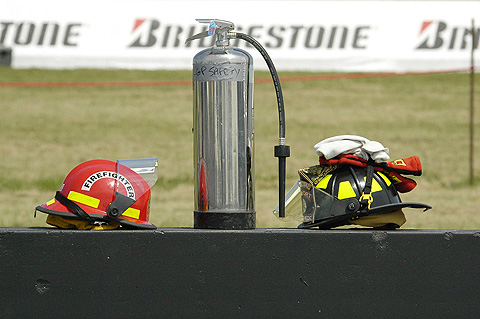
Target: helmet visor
point(147, 168)
point(306, 203)
point(131, 191)
point(293, 204)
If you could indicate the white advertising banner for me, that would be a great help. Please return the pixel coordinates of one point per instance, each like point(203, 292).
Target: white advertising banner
point(345, 36)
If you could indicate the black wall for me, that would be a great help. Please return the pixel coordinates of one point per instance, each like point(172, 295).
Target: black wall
point(262, 273)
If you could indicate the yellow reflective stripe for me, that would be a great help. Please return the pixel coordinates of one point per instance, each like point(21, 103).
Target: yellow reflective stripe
point(132, 212)
point(84, 199)
point(324, 182)
point(375, 186)
point(385, 178)
point(345, 190)
point(50, 202)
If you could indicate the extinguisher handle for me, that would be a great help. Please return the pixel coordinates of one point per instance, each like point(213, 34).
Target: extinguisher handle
point(221, 24)
point(216, 26)
point(200, 35)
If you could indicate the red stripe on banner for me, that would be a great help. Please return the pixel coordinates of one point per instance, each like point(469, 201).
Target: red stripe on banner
point(263, 80)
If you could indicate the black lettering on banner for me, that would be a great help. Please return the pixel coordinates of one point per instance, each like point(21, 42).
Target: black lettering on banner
point(150, 37)
point(438, 34)
point(172, 36)
point(191, 31)
point(310, 43)
point(165, 36)
point(252, 32)
point(24, 33)
point(476, 39)
point(294, 35)
point(360, 34)
point(178, 38)
point(437, 41)
point(332, 37)
point(343, 40)
point(272, 36)
point(466, 39)
point(274, 33)
point(5, 26)
point(71, 33)
point(48, 29)
point(453, 38)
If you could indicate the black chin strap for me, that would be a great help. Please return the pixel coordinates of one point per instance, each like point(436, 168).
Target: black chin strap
point(366, 199)
point(114, 210)
point(77, 210)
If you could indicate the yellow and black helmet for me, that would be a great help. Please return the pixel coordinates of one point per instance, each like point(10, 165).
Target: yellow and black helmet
point(340, 195)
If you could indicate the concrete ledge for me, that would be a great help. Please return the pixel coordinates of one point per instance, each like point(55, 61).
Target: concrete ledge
point(261, 273)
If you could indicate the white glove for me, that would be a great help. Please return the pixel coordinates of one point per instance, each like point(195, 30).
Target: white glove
point(352, 144)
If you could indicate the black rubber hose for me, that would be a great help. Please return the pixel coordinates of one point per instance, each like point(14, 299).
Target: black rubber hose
point(282, 151)
point(276, 80)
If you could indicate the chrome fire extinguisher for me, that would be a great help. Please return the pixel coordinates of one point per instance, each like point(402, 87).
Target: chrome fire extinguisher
point(223, 128)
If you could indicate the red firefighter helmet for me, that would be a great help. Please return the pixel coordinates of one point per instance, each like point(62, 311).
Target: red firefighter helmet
point(102, 192)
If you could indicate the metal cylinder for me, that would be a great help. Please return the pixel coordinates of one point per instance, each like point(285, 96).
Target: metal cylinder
point(223, 139)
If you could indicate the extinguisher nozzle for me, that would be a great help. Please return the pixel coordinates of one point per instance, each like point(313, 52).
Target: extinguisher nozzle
point(282, 152)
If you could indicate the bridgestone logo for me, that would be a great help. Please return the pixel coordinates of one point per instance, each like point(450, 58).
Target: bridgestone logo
point(147, 33)
point(46, 34)
point(107, 174)
point(438, 35)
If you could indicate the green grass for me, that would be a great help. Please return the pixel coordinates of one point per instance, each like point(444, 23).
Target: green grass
point(46, 131)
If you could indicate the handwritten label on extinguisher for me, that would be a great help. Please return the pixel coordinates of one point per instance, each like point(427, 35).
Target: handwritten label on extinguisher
point(210, 72)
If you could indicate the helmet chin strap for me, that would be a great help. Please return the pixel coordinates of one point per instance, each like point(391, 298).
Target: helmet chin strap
point(114, 210)
point(366, 198)
point(77, 210)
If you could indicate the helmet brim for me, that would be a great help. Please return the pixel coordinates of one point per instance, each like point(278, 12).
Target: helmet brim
point(342, 220)
point(59, 209)
point(389, 208)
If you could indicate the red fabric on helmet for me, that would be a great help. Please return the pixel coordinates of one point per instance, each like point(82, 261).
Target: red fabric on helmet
point(402, 184)
point(393, 169)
